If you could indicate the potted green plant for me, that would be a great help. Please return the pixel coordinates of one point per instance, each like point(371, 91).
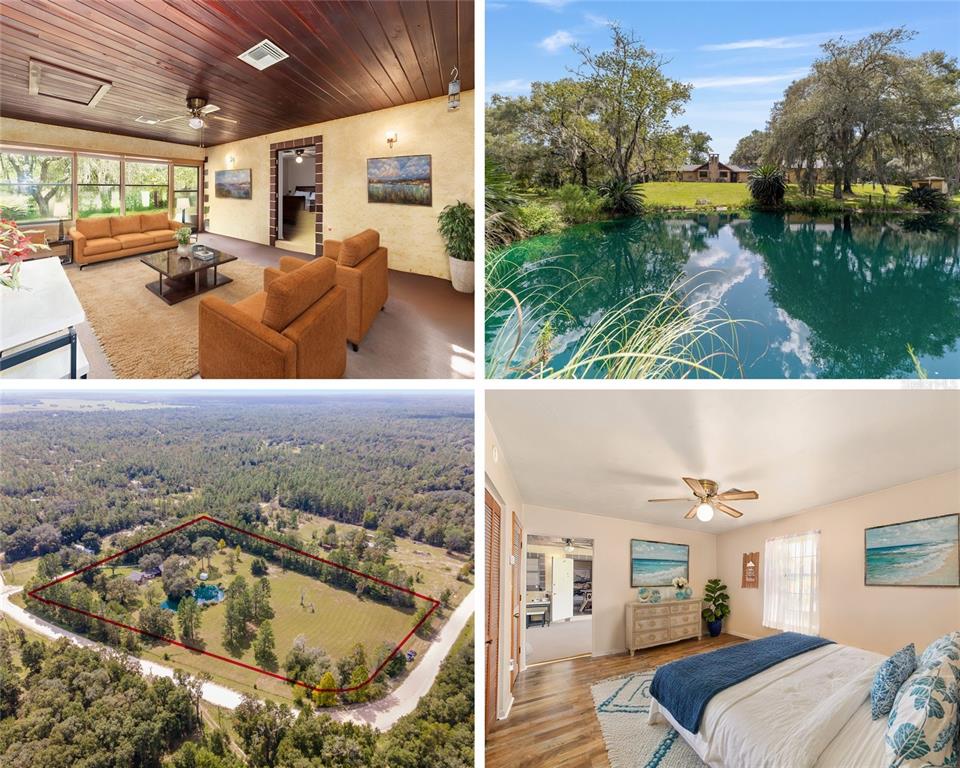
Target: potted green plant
point(456, 228)
point(716, 605)
point(183, 240)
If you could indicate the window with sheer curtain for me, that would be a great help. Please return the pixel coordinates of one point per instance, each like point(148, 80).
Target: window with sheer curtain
point(791, 583)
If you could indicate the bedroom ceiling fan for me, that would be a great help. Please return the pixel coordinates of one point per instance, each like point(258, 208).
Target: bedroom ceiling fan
point(707, 499)
point(198, 110)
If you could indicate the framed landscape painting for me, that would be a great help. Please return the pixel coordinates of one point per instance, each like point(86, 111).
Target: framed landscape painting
point(403, 180)
point(236, 184)
point(919, 553)
point(656, 563)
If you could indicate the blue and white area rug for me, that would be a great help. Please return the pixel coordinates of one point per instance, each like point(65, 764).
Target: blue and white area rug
point(622, 706)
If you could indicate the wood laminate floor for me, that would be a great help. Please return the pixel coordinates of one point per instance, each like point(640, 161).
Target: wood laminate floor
point(552, 723)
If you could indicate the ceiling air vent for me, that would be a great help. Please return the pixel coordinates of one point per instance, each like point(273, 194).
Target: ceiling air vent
point(264, 54)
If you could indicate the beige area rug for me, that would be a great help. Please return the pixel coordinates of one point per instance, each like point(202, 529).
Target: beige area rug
point(142, 336)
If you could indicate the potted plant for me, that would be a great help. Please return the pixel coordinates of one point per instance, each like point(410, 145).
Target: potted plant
point(680, 585)
point(183, 238)
point(456, 229)
point(716, 605)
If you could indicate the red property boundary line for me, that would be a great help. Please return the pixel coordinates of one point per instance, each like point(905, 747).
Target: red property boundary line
point(434, 603)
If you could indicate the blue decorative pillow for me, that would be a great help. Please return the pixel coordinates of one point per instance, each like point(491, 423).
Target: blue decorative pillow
point(923, 728)
point(891, 675)
point(942, 649)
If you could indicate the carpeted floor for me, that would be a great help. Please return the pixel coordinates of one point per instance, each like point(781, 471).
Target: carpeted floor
point(622, 706)
point(425, 331)
point(141, 336)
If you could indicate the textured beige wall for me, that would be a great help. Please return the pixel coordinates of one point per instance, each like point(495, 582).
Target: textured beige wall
point(611, 562)
point(880, 619)
point(409, 232)
point(21, 131)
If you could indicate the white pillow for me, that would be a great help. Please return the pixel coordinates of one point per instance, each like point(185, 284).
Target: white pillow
point(923, 728)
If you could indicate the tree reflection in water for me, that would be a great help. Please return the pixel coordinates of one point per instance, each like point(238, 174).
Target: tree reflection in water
point(841, 297)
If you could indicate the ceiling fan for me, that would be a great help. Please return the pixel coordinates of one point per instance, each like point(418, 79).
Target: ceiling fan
point(707, 499)
point(198, 110)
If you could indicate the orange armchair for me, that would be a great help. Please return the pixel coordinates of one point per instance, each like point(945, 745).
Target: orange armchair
point(362, 272)
point(294, 328)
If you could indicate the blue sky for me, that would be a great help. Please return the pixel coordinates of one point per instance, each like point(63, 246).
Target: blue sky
point(739, 56)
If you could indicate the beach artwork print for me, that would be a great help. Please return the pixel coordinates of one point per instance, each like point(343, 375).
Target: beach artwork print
point(403, 180)
point(235, 184)
point(656, 564)
point(920, 553)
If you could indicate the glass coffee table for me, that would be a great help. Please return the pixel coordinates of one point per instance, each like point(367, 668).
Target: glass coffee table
point(184, 276)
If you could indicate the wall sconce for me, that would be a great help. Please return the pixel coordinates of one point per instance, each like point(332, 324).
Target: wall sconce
point(453, 91)
point(231, 160)
point(391, 138)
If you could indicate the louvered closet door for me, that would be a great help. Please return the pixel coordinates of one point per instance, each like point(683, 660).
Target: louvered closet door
point(492, 516)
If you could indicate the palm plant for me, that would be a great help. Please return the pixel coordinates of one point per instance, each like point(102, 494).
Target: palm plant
point(927, 198)
point(622, 197)
point(767, 186)
point(501, 201)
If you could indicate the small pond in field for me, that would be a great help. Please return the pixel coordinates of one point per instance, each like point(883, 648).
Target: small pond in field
point(204, 594)
point(843, 297)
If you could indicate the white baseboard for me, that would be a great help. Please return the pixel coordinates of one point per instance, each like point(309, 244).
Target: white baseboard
point(741, 634)
point(506, 712)
point(611, 652)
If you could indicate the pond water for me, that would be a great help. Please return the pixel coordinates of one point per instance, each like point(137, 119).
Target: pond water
point(839, 297)
point(203, 593)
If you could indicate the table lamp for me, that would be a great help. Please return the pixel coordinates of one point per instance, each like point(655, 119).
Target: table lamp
point(61, 209)
point(183, 204)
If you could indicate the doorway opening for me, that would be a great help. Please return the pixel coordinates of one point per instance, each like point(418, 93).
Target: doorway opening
point(297, 222)
point(558, 605)
point(296, 195)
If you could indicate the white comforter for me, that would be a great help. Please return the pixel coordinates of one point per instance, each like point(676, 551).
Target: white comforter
point(791, 714)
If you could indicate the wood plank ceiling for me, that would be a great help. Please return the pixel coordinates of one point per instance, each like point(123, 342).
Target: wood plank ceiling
point(346, 57)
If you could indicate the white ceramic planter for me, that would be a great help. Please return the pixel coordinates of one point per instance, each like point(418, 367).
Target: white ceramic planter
point(185, 250)
point(461, 275)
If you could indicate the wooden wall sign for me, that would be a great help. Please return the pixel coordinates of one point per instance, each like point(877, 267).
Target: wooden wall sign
point(751, 571)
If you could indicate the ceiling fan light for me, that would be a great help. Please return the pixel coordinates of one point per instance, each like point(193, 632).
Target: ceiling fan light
point(704, 512)
point(196, 123)
point(298, 159)
point(568, 546)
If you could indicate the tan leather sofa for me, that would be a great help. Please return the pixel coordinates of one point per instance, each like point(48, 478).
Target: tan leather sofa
point(112, 237)
point(294, 328)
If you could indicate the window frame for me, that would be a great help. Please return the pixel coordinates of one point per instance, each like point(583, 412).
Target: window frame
point(799, 567)
point(118, 185)
point(14, 149)
point(74, 154)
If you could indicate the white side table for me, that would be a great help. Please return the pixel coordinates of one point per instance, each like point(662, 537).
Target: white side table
point(38, 334)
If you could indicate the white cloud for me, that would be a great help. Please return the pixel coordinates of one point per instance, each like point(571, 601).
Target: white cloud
point(735, 81)
point(807, 40)
point(554, 5)
point(513, 87)
point(559, 39)
point(598, 21)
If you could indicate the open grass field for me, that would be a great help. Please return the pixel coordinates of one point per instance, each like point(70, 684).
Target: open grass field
point(338, 621)
point(437, 568)
point(20, 572)
point(685, 194)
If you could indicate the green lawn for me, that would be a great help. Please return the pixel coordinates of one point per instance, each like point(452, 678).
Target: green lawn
point(437, 569)
point(686, 194)
point(21, 571)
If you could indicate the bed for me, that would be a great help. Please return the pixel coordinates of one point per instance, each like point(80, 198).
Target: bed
point(809, 711)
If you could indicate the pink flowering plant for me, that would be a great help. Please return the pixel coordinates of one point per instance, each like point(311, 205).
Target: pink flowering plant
point(14, 247)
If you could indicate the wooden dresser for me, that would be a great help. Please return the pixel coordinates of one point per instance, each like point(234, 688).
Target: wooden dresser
point(648, 624)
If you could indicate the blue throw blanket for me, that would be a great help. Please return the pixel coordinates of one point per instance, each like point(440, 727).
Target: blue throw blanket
point(685, 687)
